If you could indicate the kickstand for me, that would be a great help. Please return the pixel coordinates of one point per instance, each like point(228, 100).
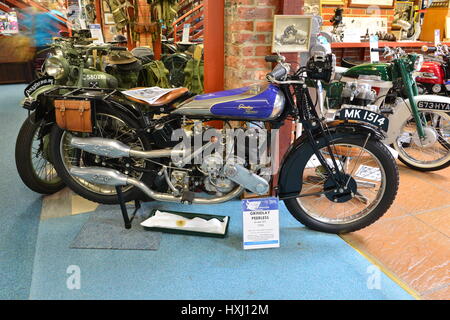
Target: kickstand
point(126, 219)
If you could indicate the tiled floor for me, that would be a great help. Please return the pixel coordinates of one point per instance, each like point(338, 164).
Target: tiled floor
point(412, 240)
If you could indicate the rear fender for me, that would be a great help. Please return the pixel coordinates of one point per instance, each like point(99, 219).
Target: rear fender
point(301, 151)
point(402, 112)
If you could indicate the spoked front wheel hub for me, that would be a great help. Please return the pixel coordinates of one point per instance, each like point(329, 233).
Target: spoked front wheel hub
point(342, 191)
point(428, 141)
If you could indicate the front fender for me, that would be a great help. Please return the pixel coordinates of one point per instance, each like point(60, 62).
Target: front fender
point(300, 152)
point(34, 102)
point(402, 112)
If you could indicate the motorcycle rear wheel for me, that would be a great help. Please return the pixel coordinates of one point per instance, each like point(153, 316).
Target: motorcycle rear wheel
point(113, 124)
point(378, 186)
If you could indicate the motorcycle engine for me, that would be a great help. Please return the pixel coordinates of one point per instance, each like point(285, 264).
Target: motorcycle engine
point(216, 181)
point(358, 94)
point(219, 171)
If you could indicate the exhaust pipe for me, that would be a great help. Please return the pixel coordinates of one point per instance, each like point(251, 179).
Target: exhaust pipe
point(115, 149)
point(114, 178)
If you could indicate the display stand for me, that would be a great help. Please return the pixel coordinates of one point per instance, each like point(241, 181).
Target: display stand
point(127, 219)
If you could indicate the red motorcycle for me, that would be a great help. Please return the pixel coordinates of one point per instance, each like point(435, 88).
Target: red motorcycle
point(434, 77)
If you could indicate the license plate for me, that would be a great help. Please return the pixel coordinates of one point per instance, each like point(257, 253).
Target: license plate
point(36, 84)
point(363, 115)
point(434, 105)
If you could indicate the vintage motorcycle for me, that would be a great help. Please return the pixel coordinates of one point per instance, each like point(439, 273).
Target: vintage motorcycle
point(337, 177)
point(73, 63)
point(419, 125)
point(434, 77)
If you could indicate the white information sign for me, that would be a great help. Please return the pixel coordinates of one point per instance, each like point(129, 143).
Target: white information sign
point(261, 223)
point(437, 36)
point(186, 31)
point(374, 56)
point(96, 33)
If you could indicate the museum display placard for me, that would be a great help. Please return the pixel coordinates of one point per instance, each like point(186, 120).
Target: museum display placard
point(260, 223)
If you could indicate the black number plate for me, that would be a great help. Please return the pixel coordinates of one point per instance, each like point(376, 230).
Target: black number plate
point(363, 115)
point(36, 84)
point(432, 105)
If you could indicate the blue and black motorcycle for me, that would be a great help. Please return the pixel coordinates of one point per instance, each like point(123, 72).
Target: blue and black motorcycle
point(336, 177)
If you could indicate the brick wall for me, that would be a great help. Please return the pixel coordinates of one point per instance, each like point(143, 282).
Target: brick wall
point(248, 38)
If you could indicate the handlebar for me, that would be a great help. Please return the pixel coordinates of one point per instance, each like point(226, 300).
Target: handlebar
point(381, 50)
point(279, 72)
point(106, 47)
point(274, 58)
point(438, 50)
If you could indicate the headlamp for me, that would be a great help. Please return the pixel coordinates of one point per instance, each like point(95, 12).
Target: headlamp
point(56, 67)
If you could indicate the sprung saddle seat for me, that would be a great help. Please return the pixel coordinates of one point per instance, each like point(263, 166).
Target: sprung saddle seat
point(165, 99)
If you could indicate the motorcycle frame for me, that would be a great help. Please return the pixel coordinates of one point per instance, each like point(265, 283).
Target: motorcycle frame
point(411, 92)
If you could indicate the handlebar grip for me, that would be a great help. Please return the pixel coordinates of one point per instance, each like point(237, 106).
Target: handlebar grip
point(381, 50)
point(278, 73)
point(272, 58)
point(118, 48)
point(429, 49)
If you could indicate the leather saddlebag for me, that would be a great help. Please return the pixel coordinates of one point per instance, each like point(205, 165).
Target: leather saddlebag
point(74, 115)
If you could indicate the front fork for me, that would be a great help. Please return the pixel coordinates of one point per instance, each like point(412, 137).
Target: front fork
point(412, 91)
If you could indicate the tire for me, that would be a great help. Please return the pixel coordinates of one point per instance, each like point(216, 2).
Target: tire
point(24, 163)
point(107, 195)
point(391, 175)
point(427, 167)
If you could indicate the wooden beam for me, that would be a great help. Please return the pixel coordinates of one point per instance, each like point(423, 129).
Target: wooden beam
point(214, 45)
point(4, 7)
point(98, 12)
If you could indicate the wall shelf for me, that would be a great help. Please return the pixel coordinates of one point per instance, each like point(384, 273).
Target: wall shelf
point(410, 44)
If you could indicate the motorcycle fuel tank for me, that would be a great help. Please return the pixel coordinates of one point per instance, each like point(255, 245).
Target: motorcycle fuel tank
point(98, 79)
point(247, 103)
point(431, 72)
point(380, 70)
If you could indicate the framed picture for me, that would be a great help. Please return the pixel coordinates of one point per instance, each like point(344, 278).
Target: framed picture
point(291, 33)
point(105, 7)
point(108, 18)
point(374, 3)
point(312, 7)
point(404, 11)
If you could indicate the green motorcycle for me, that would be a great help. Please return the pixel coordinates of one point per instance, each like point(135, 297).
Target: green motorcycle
point(385, 95)
point(74, 63)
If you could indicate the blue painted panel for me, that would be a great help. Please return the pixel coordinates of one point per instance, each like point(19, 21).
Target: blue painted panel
point(257, 107)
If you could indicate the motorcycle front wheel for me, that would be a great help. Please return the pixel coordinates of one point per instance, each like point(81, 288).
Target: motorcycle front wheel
point(431, 153)
point(369, 177)
point(33, 159)
point(111, 124)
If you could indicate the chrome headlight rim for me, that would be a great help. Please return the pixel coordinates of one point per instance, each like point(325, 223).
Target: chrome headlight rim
point(56, 67)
